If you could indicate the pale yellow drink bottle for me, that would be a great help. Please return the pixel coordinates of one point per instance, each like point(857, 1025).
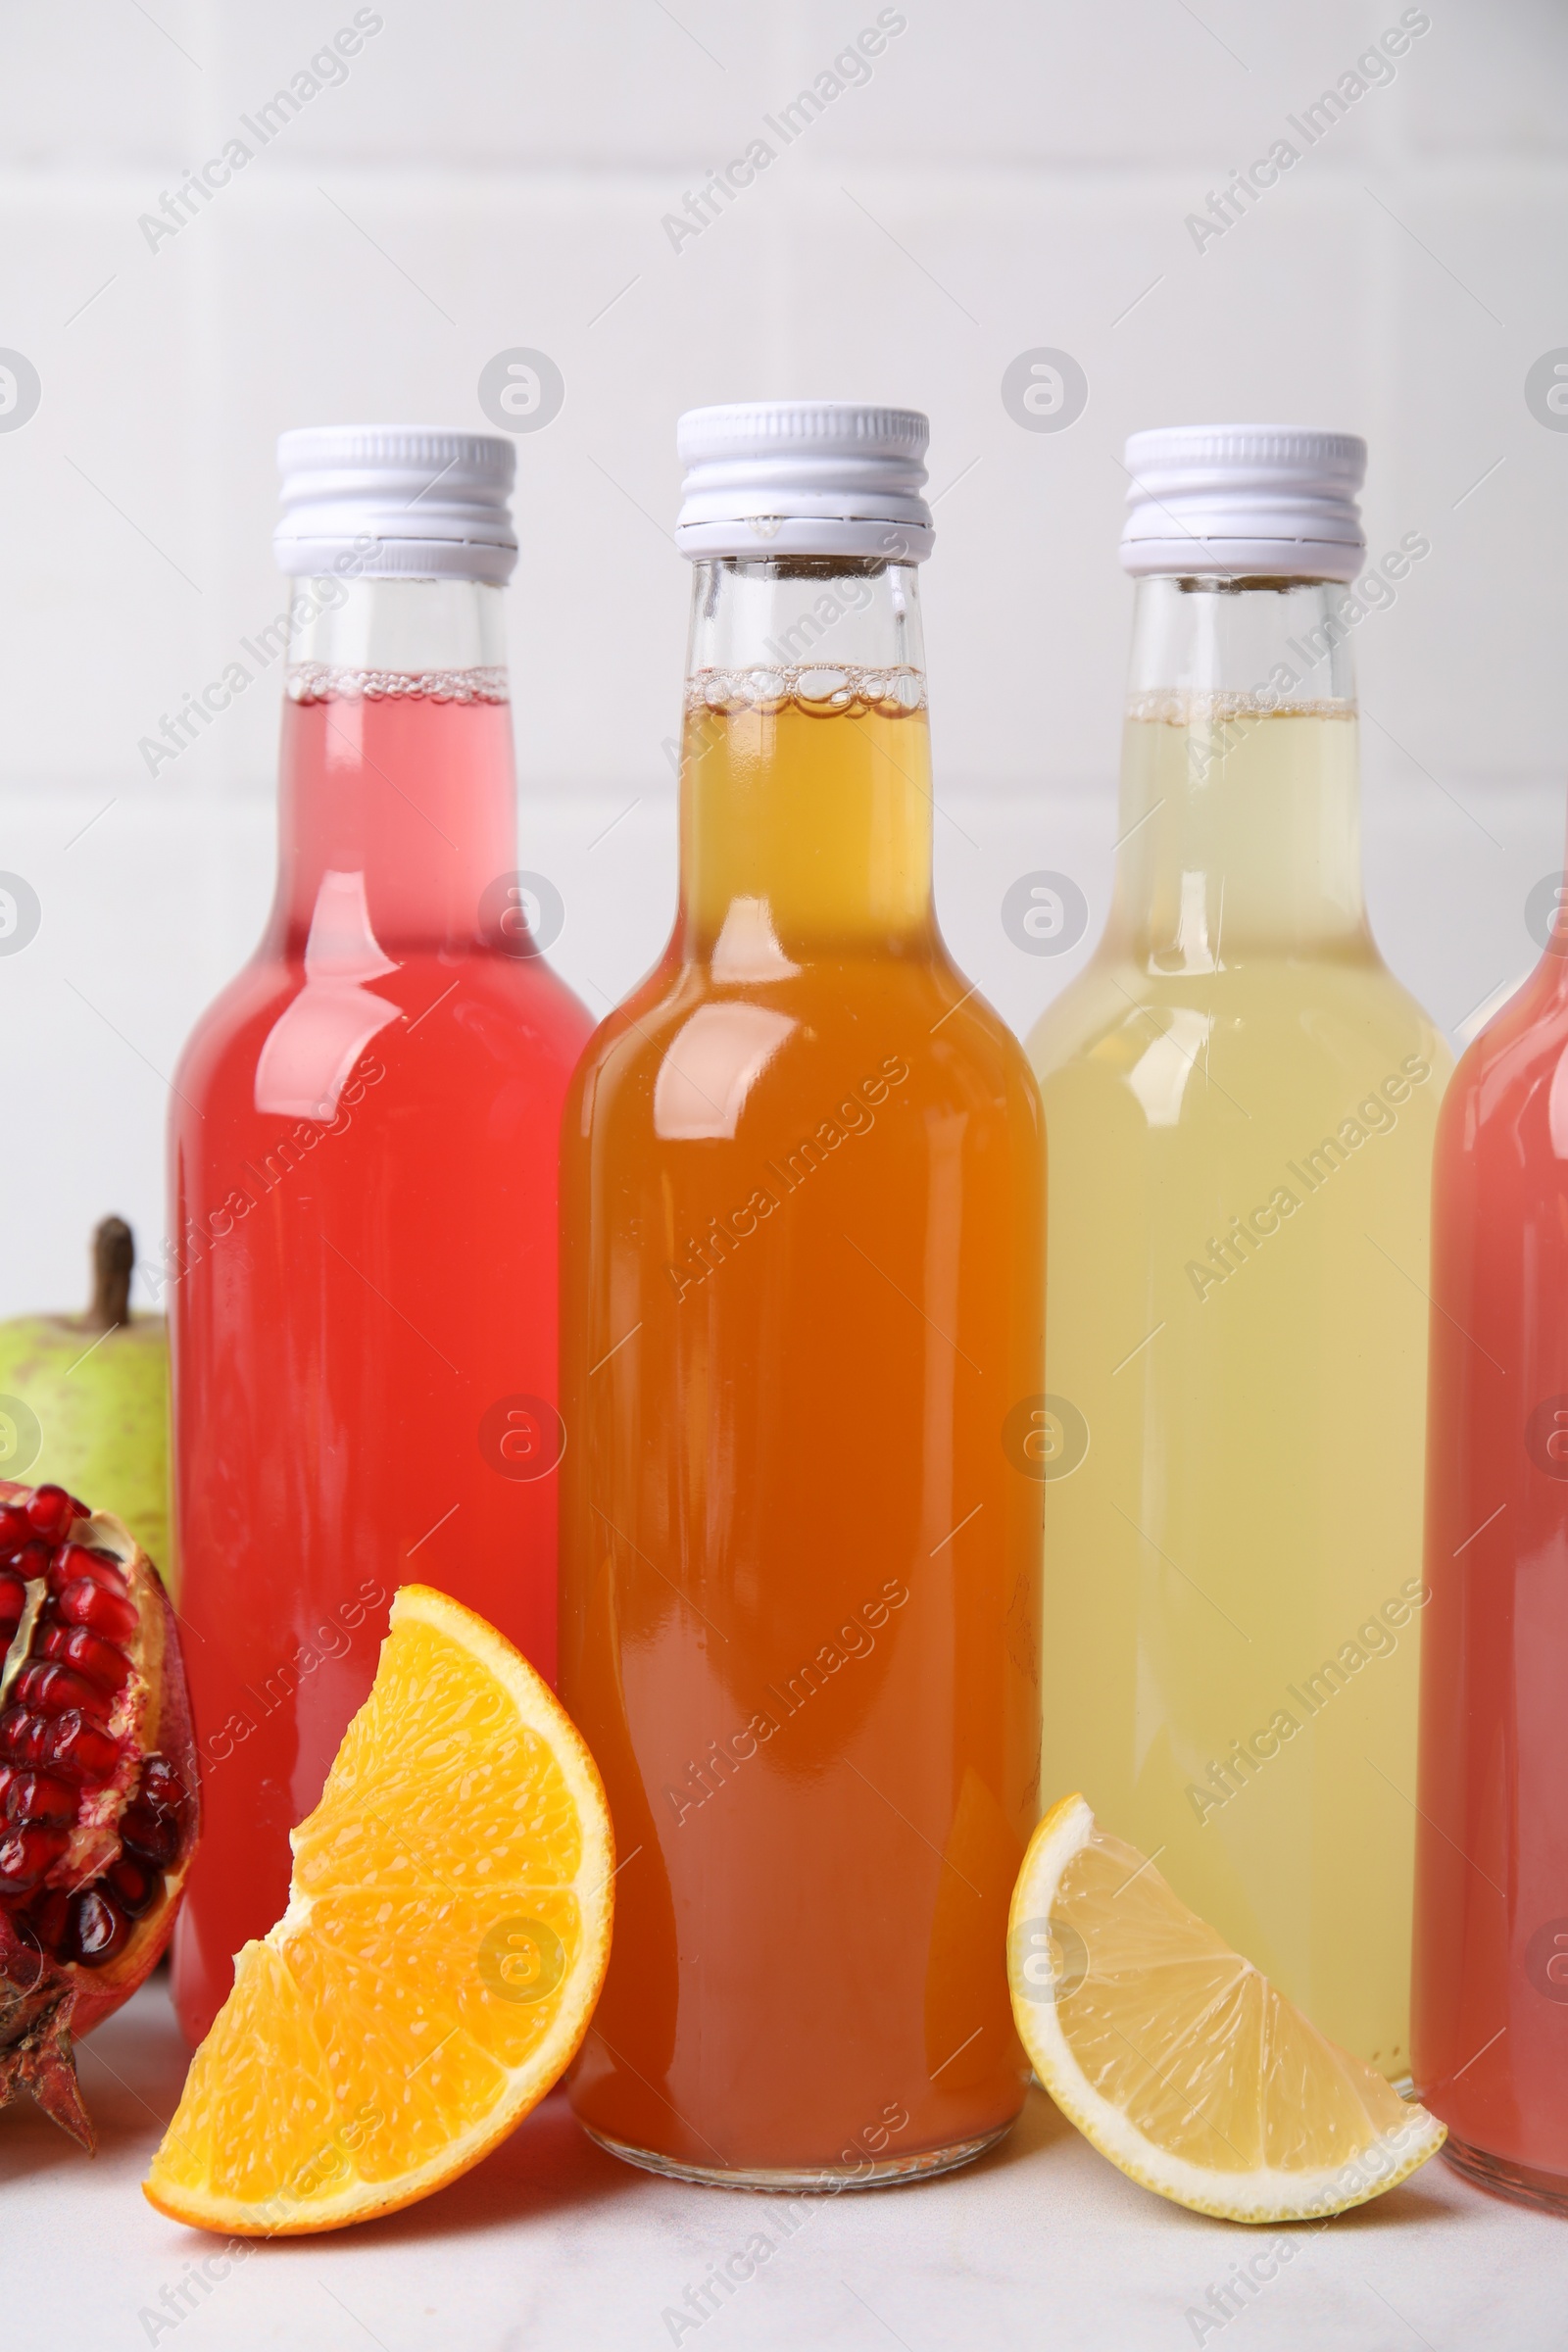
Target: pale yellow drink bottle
point(1240, 1104)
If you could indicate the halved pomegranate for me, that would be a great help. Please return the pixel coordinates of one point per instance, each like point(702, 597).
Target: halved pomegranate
point(98, 1785)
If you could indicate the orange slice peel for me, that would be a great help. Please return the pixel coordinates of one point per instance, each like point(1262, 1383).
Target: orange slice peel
point(446, 1937)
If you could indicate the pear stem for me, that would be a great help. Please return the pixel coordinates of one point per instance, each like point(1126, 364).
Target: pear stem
point(114, 1261)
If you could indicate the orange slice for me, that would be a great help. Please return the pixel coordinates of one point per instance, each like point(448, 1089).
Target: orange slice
point(447, 1933)
point(1174, 2055)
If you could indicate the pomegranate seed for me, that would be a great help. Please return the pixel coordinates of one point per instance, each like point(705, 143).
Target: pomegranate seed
point(14, 1528)
point(152, 1836)
point(99, 1661)
point(35, 1796)
point(160, 1786)
point(45, 1688)
point(98, 1927)
point(21, 1736)
point(71, 1560)
point(30, 1562)
point(12, 1599)
point(49, 1915)
point(50, 1510)
point(77, 1750)
point(24, 1856)
point(86, 1603)
point(132, 1883)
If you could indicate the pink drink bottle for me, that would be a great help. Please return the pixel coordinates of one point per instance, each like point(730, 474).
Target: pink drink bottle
point(363, 1156)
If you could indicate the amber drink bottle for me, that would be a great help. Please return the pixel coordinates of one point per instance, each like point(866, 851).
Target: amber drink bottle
point(802, 1191)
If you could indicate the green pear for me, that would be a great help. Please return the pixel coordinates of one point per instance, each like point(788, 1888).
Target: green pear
point(84, 1402)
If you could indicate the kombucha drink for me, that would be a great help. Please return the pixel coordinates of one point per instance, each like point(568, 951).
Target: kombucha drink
point(1490, 1988)
point(362, 1292)
point(801, 1259)
point(1240, 1102)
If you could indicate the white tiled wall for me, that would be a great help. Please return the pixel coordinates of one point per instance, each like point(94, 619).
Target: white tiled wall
point(490, 174)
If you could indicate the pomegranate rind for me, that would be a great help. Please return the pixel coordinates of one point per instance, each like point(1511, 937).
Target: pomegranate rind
point(166, 1730)
point(36, 2007)
point(269, 2078)
point(46, 2004)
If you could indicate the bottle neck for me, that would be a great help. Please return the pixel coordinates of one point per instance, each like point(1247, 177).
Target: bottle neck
point(1238, 831)
point(806, 773)
point(397, 816)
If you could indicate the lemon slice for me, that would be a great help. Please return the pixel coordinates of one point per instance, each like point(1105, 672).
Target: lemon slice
point(1174, 2055)
point(447, 1933)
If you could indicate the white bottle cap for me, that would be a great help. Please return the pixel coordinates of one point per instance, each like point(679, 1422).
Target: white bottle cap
point(803, 477)
point(1244, 501)
point(396, 500)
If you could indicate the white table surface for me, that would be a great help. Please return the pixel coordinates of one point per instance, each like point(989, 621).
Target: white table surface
point(552, 2244)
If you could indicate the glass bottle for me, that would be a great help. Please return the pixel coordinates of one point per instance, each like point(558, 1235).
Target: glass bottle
point(1490, 1982)
point(1240, 1102)
point(802, 1232)
point(362, 1283)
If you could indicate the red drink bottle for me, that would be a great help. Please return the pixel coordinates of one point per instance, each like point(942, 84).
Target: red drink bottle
point(363, 1168)
point(1490, 1984)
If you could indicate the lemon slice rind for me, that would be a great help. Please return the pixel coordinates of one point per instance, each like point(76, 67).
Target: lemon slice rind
point(1263, 2194)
